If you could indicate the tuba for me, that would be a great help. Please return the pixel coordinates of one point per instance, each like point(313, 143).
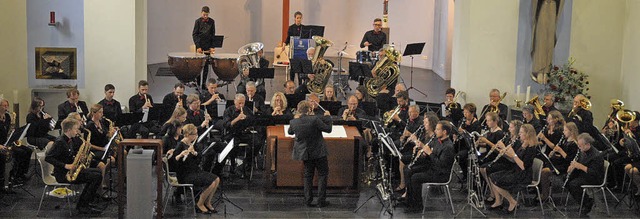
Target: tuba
point(249, 57)
point(83, 158)
point(386, 71)
point(537, 108)
point(321, 67)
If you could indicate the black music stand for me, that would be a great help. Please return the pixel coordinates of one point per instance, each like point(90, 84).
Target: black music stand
point(129, 118)
point(332, 106)
point(309, 31)
point(217, 41)
point(223, 197)
point(411, 50)
point(107, 154)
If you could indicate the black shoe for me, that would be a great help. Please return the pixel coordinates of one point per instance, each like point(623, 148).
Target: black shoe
point(499, 207)
point(89, 210)
point(202, 212)
point(323, 204)
point(213, 211)
point(588, 204)
point(310, 205)
point(506, 210)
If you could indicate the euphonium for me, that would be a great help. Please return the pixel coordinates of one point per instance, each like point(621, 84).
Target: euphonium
point(626, 116)
point(584, 104)
point(386, 71)
point(83, 158)
point(249, 57)
point(388, 116)
point(538, 111)
point(321, 67)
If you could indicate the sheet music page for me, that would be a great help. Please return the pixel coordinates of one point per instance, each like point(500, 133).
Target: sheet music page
point(337, 131)
point(146, 114)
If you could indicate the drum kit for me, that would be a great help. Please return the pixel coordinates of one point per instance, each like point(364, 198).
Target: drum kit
point(367, 57)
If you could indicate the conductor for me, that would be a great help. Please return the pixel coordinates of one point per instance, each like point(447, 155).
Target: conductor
point(311, 148)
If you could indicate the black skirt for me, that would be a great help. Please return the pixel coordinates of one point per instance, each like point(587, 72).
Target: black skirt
point(200, 179)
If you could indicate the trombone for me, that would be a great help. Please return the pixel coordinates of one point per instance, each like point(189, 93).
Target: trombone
point(492, 108)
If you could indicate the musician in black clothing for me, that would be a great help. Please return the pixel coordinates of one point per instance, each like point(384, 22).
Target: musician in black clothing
point(487, 142)
point(385, 100)
point(188, 170)
point(111, 107)
point(195, 115)
point(560, 156)
point(292, 96)
point(314, 103)
point(72, 105)
point(61, 156)
point(204, 31)
point(175, 99)
point(296, 28)
point(399, 119)
point(21, 155)
point(441, 156)
point(588, 169)
point(141, 103)
point(469, 123)
point(409, 149)
point(237, 119)
point(584, 120)
point(631, 159)
point(254, 102)
point(179, 114)
point(494, 100)
point(549, 100)
point(351, 112)
point(100, 135)
point(553, 133)
point(507, 182)
point(453, 110)
point(38, 133)
point(212, 97)
point(529, 118)
point(279, 106)
point(374, 39)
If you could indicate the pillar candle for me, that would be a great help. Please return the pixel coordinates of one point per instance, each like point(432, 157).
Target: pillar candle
point(528, 93)
point(518, 93)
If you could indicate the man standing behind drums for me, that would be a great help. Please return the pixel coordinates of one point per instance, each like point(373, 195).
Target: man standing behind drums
point(296, 28)
point(203, 34)
point(374, 39)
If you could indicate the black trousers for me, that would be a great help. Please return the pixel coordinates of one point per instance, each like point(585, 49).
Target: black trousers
point(575, 189)
point(310, 166)
point(3, 164)
point(92, 177)
point(22, 158)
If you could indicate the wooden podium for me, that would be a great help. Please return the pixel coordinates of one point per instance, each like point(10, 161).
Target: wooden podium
point(282, 172)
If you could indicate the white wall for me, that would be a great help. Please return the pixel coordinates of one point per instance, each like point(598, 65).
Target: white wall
point(484, 48)
point(243, 21)
point(13, 55)
point(68, 33)
point(596, 44)
point(630, 79)
point(443, 38)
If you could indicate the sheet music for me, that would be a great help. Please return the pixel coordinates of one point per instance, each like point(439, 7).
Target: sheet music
point(337, 131)
point(443, 110)
point(225, 151)
point(108, 146)
point(204, 134)
point(146, 114)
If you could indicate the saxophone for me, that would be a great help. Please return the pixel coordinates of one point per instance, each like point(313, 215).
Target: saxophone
point(83, 158)
point(112, 127)
point(386, 71)
point(321, 67)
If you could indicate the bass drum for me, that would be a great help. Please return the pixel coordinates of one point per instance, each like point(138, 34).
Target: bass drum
point(186, 66)
point(225, 65)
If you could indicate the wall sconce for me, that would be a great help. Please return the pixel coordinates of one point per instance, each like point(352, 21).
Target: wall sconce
point(52, 18)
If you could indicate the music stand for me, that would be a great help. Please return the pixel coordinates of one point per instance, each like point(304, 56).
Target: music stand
point(18, 134)
point(309, 31)
point(223, 197)
point(217, 41)
point(411, 50)
point(257, 73)
point(332, 106)
point(108, 145)
point(129, 118)
point(204, 134)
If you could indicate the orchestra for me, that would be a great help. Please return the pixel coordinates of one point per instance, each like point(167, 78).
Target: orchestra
point(428, 140)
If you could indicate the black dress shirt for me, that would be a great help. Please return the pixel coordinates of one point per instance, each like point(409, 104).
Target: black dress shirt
point(66, 108)
point(212, 108)
point(39, 127)
point(112, 109)
point(4, 128)
point(196, 118)
point(62, 152)
point(170, 100)
point(256, 101)
point(294, 30)
point(137, 101)
point(230, 114)
point(203, 33)
point(99, 136)
point(377, 40)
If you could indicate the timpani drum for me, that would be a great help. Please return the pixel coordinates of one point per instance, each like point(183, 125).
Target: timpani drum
point(363, 56)
point(186, 66)
point(225, 65)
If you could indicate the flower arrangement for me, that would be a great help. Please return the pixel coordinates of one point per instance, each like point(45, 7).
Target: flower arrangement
point(566, 82)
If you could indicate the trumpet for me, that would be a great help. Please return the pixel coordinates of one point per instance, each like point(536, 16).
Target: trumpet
point(388, 116)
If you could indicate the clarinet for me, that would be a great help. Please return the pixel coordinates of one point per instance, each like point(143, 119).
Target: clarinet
point(561, 142)
point(569, 173)
point(418, 153)
point(502, 153)
point(407, 140)
point(549, 160)
point(506, 136)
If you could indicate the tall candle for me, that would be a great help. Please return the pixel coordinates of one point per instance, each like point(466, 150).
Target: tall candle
point(528, 93)
point(15, 96)
point(518, 93)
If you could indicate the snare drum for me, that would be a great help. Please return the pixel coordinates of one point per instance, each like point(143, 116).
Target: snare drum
point(225, 65)
point(186, 66)
point(363, 56)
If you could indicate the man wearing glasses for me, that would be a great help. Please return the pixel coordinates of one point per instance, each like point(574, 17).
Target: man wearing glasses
point(374, 39)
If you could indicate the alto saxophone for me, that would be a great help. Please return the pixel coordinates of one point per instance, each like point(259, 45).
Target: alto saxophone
point(83, 158)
